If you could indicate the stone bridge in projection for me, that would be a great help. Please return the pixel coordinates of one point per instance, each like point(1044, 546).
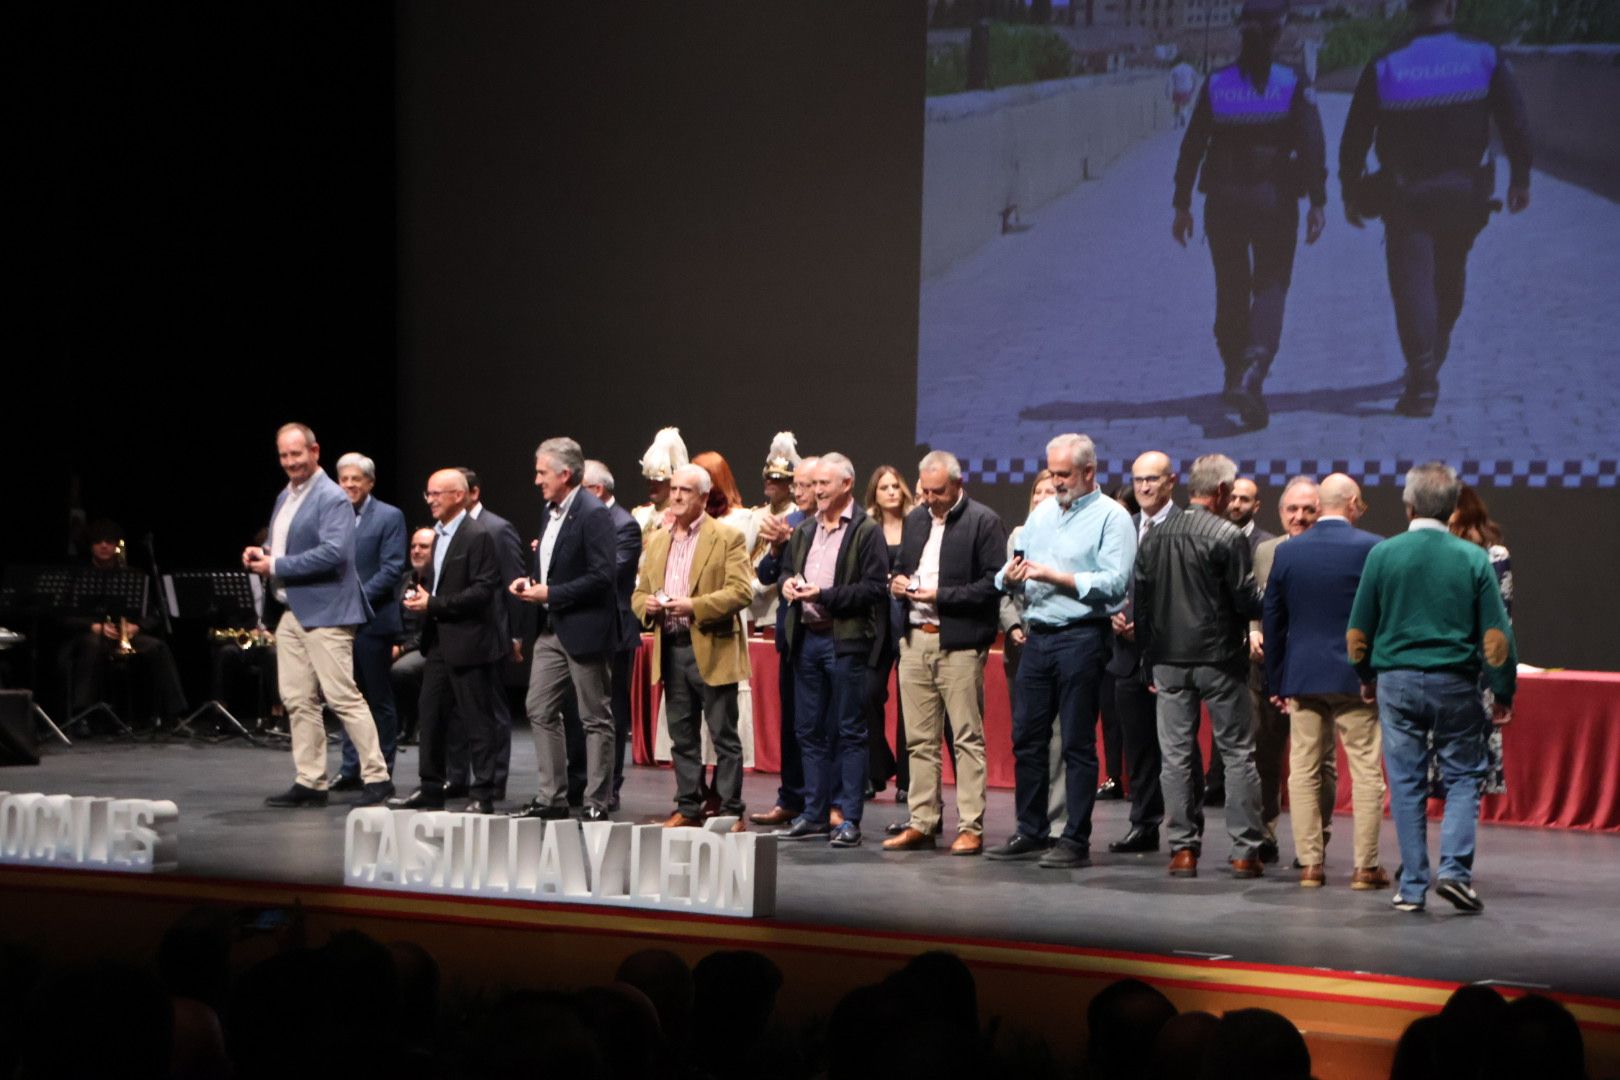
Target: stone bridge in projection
point(1093, 319)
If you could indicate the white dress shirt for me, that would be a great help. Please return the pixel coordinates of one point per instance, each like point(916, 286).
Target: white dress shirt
point(296, 494)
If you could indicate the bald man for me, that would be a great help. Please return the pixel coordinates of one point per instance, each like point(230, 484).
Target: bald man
point(1298, 508)
point(1153, 478)
point(1307, 607)
point(463, 642)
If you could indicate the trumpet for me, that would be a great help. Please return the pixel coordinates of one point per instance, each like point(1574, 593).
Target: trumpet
point(125, 646)
point(243, 637)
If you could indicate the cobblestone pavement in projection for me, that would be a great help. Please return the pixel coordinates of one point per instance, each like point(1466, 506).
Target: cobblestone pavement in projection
point(1094, 320)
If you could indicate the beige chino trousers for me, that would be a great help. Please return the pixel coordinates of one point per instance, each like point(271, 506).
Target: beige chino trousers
point(937, 685)
point(316, 664)
point(1313, 720)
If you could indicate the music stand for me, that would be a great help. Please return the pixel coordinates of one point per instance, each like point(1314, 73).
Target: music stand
point(78, 591)
point(224, 599)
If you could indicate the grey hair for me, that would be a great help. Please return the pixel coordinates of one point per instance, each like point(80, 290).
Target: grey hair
point(697, 474)
point(841, 463)
point(353, 460)
point(941, 459)
point(564, 454)
point(1081, 450)
point(1300, 480)
point(1208, 473)
point(598, 475)
point(1431, 490)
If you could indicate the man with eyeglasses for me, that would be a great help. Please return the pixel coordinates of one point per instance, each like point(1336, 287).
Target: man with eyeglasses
point(1073, 571)
point(1153, 480)
point(462, 645)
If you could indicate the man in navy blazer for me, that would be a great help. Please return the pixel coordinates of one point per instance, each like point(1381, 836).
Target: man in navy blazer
point(626, 560)
point(311, 570)
point(578, 630)
point(379, 556)
point(1307, 608)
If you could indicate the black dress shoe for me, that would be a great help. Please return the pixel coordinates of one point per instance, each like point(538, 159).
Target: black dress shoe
point(479, 806)
point(534, 808)
point(1136, 842)
point(594, 813)
point(455, 790)
point(1267, 851)
point(613, 804)
point(1110, 789)
point(345, 783)
point(1214, 796)
point(376, 794)
point(1018, 846)
point(420, 799)
point(295, 796)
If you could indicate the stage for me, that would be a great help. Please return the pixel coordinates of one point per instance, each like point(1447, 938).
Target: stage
point(1342, 962)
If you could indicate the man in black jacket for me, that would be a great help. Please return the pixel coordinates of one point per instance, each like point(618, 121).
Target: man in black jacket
point(950, 550)
point(1195, 595)
point(461, 645)
point(838, 569)
point(577, 615)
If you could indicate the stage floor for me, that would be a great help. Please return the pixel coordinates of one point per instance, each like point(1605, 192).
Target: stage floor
point(1545, 891)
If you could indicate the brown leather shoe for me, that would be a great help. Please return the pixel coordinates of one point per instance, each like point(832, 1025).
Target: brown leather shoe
point(776, 815)
point(910, 839)
point(678, 820)
point(1311, 877)
point(1184, 863)
point(739, 826)
point(967, 843)
point(1369, 878)
point(1246, 868)
point(835, 817)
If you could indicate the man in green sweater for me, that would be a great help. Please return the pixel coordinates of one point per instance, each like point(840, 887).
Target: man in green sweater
point(1426, 620)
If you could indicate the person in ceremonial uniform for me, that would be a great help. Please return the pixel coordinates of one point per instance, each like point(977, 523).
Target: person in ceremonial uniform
point(780, 461)
point(666, 454)
point(1257, 134)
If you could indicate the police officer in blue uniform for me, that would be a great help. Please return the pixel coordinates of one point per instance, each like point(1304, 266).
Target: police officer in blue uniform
point(1258, 136)
point(1428, 104)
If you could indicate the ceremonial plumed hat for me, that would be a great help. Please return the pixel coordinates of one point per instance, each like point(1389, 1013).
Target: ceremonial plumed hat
point(783, 457)
point(666, 454)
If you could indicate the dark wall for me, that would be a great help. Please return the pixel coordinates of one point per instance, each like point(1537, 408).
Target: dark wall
point(205, 225)
point(617, 217)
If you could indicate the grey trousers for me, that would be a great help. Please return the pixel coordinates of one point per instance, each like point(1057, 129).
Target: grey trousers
point(1226, 693)
point(691, 702)
point(592, 681)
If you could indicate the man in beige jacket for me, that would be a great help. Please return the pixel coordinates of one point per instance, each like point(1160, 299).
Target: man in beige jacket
point(695, 581)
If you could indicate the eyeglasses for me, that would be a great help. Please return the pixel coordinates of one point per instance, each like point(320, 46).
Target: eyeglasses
point(429, 496)
point(1141, 481)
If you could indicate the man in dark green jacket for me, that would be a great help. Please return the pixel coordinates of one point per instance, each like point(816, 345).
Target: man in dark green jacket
point(1427, 620)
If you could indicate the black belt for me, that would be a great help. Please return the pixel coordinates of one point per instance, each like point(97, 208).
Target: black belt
point(1046, 628)
point(823, 627)
point(678, 637)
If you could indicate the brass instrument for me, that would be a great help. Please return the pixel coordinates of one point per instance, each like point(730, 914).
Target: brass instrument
point(125, 647)
point(244, 638)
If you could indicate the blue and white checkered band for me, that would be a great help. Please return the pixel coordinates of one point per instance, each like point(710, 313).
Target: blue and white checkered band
point(1234, 100)
point(1435, 70)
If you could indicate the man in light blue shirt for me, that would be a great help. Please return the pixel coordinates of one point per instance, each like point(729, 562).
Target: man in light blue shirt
point(1075, 562)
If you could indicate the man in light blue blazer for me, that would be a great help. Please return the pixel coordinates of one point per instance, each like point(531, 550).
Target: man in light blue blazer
point(1309, 593)
point(379, 558)
point(310, 567)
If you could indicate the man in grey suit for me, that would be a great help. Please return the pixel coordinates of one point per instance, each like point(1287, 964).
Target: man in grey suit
point(379, 555)
point(310, 567)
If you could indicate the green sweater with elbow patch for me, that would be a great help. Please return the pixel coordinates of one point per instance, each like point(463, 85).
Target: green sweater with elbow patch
point(1428, 601)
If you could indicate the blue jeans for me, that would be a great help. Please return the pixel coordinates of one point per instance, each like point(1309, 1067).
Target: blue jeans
point(1410, 705)
point(827, 719)
point(1058, 679)
point(373, 666)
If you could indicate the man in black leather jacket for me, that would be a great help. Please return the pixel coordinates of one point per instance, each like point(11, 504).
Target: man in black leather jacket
point(1195, 593)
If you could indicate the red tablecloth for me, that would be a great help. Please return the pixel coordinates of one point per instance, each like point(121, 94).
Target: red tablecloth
point(1562, 751)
